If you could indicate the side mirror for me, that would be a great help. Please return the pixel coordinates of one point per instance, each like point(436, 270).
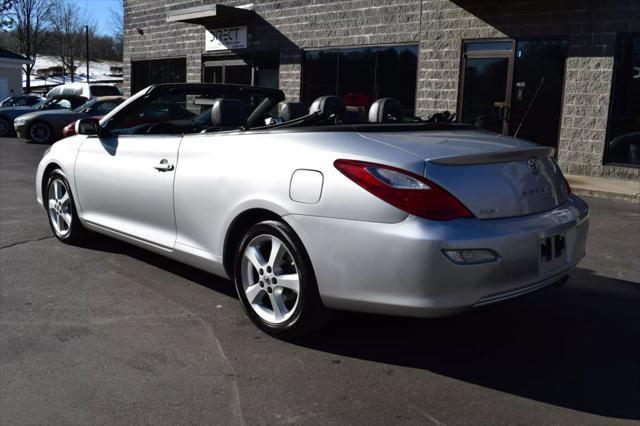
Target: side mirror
point(87, 126)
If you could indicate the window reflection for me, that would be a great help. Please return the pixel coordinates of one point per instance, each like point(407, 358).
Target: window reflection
point(146, 73)
point(624, 122)
point(360, 76)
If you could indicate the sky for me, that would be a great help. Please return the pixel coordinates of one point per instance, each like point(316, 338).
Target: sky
point(100, 10)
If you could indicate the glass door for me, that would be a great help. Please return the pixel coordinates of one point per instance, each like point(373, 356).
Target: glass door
point(486, 84)
point(510, 87)
point(537, 90)
point(484, 101)
point(233, 71)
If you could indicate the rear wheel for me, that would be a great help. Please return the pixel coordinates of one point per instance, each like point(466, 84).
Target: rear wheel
point(275, 282)
point(61, 211)
point(40, 132)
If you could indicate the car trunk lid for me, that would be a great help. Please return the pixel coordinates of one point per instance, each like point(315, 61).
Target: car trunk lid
point(492, 175)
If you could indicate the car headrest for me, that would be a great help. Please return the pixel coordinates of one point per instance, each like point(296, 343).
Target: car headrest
point(228, 113)
point(292, 110)
point(329, 105)
point(385, 110)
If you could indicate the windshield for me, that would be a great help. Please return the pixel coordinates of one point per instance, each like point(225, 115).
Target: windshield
point(187, 109)
point(44, 102)
point(85, 105)
point(8, 102)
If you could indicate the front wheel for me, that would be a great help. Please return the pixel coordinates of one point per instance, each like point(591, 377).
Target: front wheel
point(275, 282)
point(41, 132)
point(61, 211)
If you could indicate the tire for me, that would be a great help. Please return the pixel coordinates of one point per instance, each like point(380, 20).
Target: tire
point(275, 307)
point(5, 128)
point(61, 210)
point(40, 132)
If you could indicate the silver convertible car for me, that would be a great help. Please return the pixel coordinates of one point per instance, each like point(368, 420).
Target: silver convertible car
point(313, 212)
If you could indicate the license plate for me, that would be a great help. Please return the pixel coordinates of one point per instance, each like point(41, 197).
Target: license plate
point(552, 253)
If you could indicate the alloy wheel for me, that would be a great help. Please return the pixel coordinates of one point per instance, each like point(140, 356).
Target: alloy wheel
point(40, 132)
point(59, 207)
point(270, 279)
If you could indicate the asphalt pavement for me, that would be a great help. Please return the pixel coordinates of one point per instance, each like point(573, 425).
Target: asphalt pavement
point(108, 333)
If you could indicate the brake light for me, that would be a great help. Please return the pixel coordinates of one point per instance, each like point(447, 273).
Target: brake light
point(408, 192)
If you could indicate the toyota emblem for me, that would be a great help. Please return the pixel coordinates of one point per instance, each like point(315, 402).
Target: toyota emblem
point(534, 167)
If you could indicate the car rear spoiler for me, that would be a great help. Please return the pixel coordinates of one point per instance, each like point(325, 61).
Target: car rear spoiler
point(495, 157)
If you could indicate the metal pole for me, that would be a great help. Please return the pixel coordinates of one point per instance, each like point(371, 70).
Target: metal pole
point(86, 27)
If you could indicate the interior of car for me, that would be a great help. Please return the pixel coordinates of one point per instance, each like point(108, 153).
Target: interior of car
point(209, 108)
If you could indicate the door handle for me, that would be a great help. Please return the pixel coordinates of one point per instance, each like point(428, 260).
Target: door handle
point(164, 166)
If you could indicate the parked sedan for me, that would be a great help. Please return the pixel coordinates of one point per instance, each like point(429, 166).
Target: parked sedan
point(47, 126)
point(9, 114)
point(314, 213)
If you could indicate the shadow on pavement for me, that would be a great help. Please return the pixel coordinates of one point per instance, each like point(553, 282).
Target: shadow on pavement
point(106, 244)
point(576, 346)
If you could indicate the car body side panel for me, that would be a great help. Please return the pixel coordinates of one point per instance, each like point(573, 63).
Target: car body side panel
point(119, 188)
point(220, 176)
point(64, 155)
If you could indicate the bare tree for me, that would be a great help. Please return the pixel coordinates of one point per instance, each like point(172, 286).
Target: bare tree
point(68, 34)
point(116, 21)
point(6, 15)
point(31, 19)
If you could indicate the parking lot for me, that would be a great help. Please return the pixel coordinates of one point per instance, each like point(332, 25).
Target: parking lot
point(108, 333)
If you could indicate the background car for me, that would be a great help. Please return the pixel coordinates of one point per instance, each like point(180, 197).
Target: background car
point(9, 114)
point(22, 100)
point(88, 90)
point(47, 126)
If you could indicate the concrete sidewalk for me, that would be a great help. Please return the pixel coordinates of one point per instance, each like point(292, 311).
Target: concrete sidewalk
point(612, 189)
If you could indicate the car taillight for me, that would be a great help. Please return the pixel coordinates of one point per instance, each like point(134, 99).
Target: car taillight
point(408, 192)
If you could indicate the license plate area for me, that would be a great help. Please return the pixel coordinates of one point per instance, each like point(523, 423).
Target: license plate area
point(552, 253)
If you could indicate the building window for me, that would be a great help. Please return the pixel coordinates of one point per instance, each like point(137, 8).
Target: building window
point(360, 76)
point(261, 69)
point(146, 73)
point(623, 136)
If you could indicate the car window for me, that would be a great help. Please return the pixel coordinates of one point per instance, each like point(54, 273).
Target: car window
point(85, 106)
point(21, 102)
point(104, 91)
point(60, 103)
point(188, 110)
point(103, 108)
point(167, 111)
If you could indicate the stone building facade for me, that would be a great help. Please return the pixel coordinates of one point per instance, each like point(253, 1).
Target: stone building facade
point(457, 42)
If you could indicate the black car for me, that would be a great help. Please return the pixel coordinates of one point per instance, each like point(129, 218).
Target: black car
point(9, 114)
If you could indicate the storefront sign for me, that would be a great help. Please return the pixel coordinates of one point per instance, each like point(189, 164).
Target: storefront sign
point(226, 38)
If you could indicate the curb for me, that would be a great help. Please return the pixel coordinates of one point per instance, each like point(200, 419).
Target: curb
point(607, 195)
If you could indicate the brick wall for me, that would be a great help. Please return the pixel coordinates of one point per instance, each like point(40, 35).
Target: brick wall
point(438, 26)
point(590, 27)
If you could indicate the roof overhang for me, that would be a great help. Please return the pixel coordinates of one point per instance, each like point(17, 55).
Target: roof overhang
point(212, 15)
point(14, 61)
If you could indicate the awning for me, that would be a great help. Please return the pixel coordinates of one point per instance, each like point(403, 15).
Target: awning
point(211, 15)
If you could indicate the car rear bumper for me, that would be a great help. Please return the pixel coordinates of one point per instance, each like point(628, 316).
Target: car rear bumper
point(401, 269)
